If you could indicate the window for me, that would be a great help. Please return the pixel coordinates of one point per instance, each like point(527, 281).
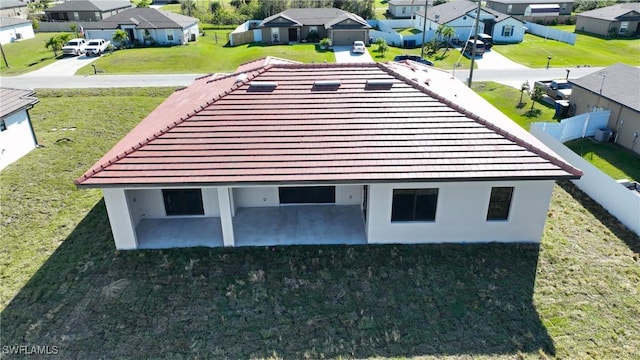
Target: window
point(623, 27)
point(170, 35)
point(499, 203)
point(275, 35)
point(183, 201)
point(414, 204)
point(509, 8)
point(97, 15)
point(404, 9)
point(307, 195)
point(3, 126)
point(313, 28)
point(76, 16)
point(507, 30)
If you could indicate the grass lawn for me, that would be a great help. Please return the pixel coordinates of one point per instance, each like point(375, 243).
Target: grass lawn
point(408, 31)
point(441, 60)
point(613, 160)
point(27, 55)
point(204, 56)
point(506, 99)
point(589, 50)
point(64, 285)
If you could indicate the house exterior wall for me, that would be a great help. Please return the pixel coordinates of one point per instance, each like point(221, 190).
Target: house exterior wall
point(516, 37)
point(83, 15)
point(461, 214)
point(122, 225)
point(9, 34)
point(17, 140)
point(404, 11)
point(519, 8)
point(624, 121)
point(593, 26)
point(180, 36)
point(268, 196)
point(15, 12)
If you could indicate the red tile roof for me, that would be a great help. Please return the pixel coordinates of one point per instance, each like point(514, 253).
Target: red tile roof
point(358, 123)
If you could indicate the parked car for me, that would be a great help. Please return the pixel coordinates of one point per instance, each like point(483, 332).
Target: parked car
point(487, 40)
point(96, 47)
point(556, 89)
point(74, 47)
point(358, 47)
point(415, 58)
point(470, 44)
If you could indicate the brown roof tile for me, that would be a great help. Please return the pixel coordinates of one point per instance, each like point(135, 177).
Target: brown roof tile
point(227, 129)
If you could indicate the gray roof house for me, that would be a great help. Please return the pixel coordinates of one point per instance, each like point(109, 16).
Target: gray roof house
point(17, 137)
point(147, 25)
point(616, 20)
point(86, 10)
point(519, 7)
point(15, 29)
point(292, 25)
point(405, 8)
point(615, 88)
point(13, 9)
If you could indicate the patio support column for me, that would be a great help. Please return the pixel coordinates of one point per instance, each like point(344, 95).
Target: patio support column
point(122, 227)
point(226, 218)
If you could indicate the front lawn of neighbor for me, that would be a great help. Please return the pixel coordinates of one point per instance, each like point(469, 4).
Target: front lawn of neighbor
point(201, 57)
point(441, 60)
point(615, 161)
point(27, 55)
point(65, 285)
point(588, 50)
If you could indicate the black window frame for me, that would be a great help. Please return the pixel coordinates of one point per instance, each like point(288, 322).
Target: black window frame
point(3, 125)
point(499, 207)
point(176, 202)
point(414, 205)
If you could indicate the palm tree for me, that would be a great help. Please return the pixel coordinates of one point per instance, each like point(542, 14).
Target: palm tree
point(536, 95)
point(523, 87)
point(446, 32)
point(120, 36)
point(56, 42)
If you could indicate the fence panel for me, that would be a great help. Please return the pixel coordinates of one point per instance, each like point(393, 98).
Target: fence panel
point(576, 127)
point(550, 33)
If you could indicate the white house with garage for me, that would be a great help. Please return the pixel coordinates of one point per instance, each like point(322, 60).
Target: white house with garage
point(17, 137)
point(15, 29)
point(284, 153)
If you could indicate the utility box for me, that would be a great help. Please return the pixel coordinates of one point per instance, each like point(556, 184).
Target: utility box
point(603, 135)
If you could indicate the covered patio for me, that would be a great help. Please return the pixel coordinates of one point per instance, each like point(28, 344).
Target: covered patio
point(260, 226)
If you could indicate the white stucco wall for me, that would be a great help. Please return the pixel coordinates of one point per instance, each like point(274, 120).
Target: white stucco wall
point(518, 31)
point(17, 140)
point(121, 221)
point(268, 196)
point(461, 214)
point(149, 204)
point(8, 34)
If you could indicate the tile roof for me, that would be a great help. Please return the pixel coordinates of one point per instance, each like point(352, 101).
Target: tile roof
point(144, 18)
point(621, 84)
point(613, 12)
point(15, 100)
point(309, 123)
point(88, 5)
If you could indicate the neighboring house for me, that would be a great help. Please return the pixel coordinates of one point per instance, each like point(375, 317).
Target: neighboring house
point(13, 9)
point(147, 25)
point(293, 25)
point(531, 7)
point(617, 20)
point(461, 14)
point(86, 10)
point(615, 88)
point(364, 153)
point(17, 137)
point(405, 8)
point(15, 30)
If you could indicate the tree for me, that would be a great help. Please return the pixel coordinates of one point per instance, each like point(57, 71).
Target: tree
point(143, 3)
point(57, 42)
point(74, 29)
point(187, 7)
point(382, 45)
point(120, 36)
point(447, 32)
point(523, 87)
point(36, 24)
point(536, 95)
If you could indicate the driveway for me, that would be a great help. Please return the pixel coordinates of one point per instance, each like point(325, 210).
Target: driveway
point(492, 60)
point(343, 55)
point(65, 66)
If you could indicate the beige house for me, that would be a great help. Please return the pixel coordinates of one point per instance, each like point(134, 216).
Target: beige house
point(615, 88)
point(617, 20)
point(405, 8)
point(519, 7)
point(13, 9)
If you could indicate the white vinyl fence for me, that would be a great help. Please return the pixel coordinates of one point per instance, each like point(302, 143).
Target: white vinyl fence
point(386, 29)
point(550, 33)
point(576, 127)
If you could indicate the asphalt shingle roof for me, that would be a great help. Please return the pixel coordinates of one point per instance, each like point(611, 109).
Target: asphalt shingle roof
point(621, 84)
point(12, 21)
point(144, 18)
point(334, 123)
point(10, 4)
point(88, 5)
point(15, 99)
point(317, 16)
point(611, 12)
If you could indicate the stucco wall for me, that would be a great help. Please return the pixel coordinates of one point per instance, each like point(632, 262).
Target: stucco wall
point(17, 140)
point(8, 34)
point(149, 203)
point(591, 25)
point(461, 214)
point(268, 196)
point(516, 37)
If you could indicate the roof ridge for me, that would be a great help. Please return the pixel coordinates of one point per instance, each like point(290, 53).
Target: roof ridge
point(167, 128)
point(509, 136)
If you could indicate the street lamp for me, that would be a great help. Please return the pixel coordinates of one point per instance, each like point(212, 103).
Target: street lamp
point(548, 61)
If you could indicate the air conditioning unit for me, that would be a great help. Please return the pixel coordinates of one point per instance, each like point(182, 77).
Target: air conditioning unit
point(603, 135)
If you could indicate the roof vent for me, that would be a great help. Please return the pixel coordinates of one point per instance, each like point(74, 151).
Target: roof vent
point(379, 84)
point(241, 78)
point(262, 86)
point(327, 83)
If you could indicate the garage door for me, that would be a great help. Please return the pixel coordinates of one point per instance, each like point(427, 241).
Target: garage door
point(347, 37)
point(308, 195)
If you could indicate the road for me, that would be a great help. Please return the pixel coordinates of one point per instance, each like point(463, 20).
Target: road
point(511, 77)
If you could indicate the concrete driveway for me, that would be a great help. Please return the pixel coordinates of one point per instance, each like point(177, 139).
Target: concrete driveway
point(65, 66)
point(343, 55)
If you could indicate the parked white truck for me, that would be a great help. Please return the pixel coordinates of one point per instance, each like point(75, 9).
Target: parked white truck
point(74, 47)
point(556, 89)
point(96, 47)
